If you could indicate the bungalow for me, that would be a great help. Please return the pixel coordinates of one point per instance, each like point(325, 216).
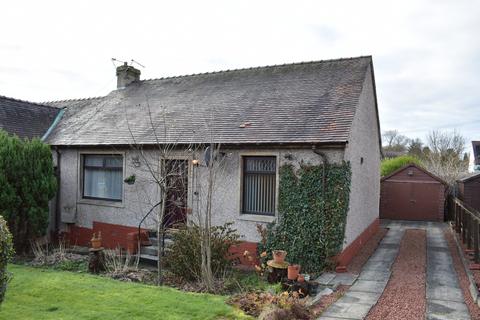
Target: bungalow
point(262, 118)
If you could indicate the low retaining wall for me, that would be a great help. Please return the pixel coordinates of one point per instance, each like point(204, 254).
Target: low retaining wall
point(344, 258)
point(113, 236)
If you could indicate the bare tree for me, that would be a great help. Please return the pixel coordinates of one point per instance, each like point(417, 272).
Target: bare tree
point(162, 166)
point(394, 141)
point(445, 155)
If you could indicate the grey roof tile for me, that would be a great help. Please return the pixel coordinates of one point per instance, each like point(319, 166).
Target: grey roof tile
point(312, 102)
point(25, 119)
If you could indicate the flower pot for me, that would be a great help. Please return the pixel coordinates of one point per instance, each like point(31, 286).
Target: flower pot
point(279, 256)
point(301, 278)
point(96, 243)
point(293, 271)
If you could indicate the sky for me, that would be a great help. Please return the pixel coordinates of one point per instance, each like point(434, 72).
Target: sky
point(426, 54)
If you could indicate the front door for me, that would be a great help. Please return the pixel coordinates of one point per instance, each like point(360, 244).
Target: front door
point(177, 190)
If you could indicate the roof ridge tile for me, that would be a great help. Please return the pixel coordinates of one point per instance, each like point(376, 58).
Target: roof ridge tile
point(256, 68)
point(40, 104)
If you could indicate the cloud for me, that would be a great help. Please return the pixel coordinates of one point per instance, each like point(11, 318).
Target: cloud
point(425, 52)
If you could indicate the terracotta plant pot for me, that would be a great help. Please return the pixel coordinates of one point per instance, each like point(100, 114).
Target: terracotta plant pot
point(300, 278)
point(293, 271)
point(279, 256)
point(97, 243)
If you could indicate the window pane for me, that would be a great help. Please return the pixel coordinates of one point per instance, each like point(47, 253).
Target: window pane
point(113, 162)
point(259, 184)
point(260, 164)
point(103, 182)
point(94, 161)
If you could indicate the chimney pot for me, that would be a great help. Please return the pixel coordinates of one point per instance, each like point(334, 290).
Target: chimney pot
point(126, 75)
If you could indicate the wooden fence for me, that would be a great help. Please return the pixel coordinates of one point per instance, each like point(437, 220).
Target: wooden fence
point(467, 224)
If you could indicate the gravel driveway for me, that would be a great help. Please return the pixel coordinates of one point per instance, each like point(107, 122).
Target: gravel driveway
point(411, 275)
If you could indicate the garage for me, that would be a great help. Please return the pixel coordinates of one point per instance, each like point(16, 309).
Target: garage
point(412, 193)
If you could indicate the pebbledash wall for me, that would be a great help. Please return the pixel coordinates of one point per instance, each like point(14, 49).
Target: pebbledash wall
point(119, 220)
point(363, 153)
point(81, 217)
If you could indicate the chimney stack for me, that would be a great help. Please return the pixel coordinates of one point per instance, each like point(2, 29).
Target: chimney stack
point(126, 74)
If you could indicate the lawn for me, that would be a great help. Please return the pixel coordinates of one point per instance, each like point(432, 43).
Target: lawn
point(47, 294)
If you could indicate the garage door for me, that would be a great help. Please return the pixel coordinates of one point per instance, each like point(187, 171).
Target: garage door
point(411, 201)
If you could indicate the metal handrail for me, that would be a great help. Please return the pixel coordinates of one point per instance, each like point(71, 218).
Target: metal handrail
point(143, 219)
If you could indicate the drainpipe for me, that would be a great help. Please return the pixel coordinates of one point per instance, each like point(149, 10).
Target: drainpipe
point(57, 198)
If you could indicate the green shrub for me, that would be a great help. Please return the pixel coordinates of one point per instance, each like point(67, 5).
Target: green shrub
point(392, 164)
point(27, 184)
point(183, 257)
point(69, 265)
point(6, 252)
point(311, 222)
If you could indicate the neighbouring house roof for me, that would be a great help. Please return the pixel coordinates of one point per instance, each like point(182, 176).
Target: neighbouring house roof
point(476, 152)
point(469, 177)
point(312, 102)
point(25, 119)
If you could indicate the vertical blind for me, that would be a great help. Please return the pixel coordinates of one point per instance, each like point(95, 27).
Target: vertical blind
point(103, 177)
point(259, 177)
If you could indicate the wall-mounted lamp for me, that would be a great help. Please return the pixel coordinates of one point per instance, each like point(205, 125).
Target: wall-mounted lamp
point(136, 162)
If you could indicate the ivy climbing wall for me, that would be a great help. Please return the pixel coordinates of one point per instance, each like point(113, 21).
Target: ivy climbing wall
point(312, 214)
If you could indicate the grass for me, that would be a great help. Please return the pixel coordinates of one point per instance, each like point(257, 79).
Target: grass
point(36, 293)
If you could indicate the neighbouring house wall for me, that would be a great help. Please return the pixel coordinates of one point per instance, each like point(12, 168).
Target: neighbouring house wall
point(470, 192)
point(90, 215)
point(365, 186)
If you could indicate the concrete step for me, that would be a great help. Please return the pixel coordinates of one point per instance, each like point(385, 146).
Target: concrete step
point(168, 233)
point(154, 242)
point(149, 259)
point(149, 250)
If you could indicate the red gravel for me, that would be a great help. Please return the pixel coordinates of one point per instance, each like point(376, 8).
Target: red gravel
point(462, 276)
point(355, 266)
point(404, 296)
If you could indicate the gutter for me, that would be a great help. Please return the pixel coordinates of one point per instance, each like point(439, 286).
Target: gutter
point(53, 125)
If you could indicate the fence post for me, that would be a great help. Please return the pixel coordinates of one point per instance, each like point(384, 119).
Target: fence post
point(464, 236)
point(470, 231)
point(475, 242)
point(457, 213)
point(457, 217)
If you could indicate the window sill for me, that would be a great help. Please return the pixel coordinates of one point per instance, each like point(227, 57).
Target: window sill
point(257, 218)
point(98, 202)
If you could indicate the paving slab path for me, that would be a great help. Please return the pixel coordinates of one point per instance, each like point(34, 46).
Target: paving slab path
point(444, 298)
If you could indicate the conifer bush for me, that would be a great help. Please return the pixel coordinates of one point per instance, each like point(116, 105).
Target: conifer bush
point(6, 251)
point(27, 183)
